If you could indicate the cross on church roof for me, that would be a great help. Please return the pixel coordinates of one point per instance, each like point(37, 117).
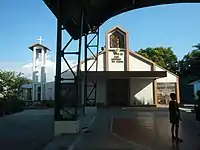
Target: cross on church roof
point(40, 39)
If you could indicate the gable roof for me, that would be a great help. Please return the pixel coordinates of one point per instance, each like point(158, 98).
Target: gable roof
point(116, 28)
point(130, 52)
point(150, 62)
point(193, 81)
point(144, 59)
point(34, 45)
point(167, 70)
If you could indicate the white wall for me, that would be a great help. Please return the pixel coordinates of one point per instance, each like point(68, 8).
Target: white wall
point(49, 91)
point(101, 91)
point(137, 65)
point(101, 63)
point(170, 77)
point(68, 75)
point(101, 67)
point(89, 88)
point(116, 66)
point(141, 90)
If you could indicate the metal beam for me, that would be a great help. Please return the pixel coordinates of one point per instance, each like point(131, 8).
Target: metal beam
point(62, 104)
point(91, 46)
point(78, 82)
point(68, 94)
point(85, 80)
point(57, 116)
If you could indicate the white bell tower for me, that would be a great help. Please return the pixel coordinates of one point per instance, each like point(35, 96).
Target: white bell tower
point(39, 70)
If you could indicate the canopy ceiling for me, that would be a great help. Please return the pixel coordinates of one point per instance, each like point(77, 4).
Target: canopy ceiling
point(97, 11)
point(126, 74)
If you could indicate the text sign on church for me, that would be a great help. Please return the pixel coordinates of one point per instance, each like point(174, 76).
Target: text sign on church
point(117, 57)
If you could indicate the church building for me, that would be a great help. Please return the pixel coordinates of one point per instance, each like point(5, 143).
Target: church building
point(125, 78)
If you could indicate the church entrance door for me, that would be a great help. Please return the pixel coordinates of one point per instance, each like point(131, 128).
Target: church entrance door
point(118, 92)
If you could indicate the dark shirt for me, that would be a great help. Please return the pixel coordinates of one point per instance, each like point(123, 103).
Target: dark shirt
point(174, 109)
point(198, 110)
point(198, 103)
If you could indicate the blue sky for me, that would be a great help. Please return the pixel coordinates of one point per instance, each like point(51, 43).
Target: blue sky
point(177, 26)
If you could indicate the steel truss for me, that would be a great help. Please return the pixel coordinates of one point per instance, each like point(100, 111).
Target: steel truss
point(90, 85)
point(70, 110)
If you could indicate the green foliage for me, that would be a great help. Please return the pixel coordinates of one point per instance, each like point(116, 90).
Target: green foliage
point(10, 90)
point(10, 84)
point(162, 56)
point(190, 64)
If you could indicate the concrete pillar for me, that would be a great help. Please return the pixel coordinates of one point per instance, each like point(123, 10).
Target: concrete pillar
point(43, 74)
point(34, 78)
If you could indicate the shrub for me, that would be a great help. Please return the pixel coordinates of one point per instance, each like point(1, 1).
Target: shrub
point(1, 108)
point(17, 106)
point(11, 106)
point(47, 103)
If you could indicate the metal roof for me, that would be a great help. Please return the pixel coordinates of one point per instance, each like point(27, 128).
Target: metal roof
point(27, 86)
point(97, 11)
point(40, 45)
point(194, 81)
point(127, 74)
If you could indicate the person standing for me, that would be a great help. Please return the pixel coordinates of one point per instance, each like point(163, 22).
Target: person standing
point(174, 117)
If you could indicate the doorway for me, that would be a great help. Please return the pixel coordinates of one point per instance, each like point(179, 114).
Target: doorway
point(39, 94)
point(118, 92)
point(163, 92)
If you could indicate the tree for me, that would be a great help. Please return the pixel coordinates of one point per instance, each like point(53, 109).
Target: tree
point(10, 84)
point(162, 56)
point(190, 64)
point(197, 46)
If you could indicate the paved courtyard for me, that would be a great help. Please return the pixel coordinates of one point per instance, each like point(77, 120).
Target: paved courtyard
point(134, 129)
point(27, 130)
point(148, 130)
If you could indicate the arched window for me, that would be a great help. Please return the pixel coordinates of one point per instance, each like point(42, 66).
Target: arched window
point(117, 40)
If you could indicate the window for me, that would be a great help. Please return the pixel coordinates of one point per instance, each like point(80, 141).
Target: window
point(117, 40)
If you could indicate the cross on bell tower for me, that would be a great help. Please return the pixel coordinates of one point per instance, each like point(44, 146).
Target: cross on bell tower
point(39, 65)
point(40, 39)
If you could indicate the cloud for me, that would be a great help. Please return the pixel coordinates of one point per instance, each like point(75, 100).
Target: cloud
point(50, 69)
point(26, 68)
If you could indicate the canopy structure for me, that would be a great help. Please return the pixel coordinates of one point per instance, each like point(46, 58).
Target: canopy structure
point(82, 18)
point(96, 12)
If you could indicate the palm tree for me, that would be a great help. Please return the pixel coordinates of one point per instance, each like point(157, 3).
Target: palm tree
point(191, 62)
point(197, 46)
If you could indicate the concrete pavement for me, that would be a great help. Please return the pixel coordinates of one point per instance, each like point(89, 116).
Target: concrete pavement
point(149, 130)
point(68, 141)
point(27, 130)
point(34, 130)
point(136, 129)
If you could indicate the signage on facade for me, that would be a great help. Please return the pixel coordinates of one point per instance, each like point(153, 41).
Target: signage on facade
point(117, 57)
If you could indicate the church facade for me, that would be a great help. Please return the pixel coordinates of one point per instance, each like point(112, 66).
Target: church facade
point(124, 78)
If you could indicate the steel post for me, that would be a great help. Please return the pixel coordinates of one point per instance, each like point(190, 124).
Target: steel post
point(58, 69)
point(90, 86)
